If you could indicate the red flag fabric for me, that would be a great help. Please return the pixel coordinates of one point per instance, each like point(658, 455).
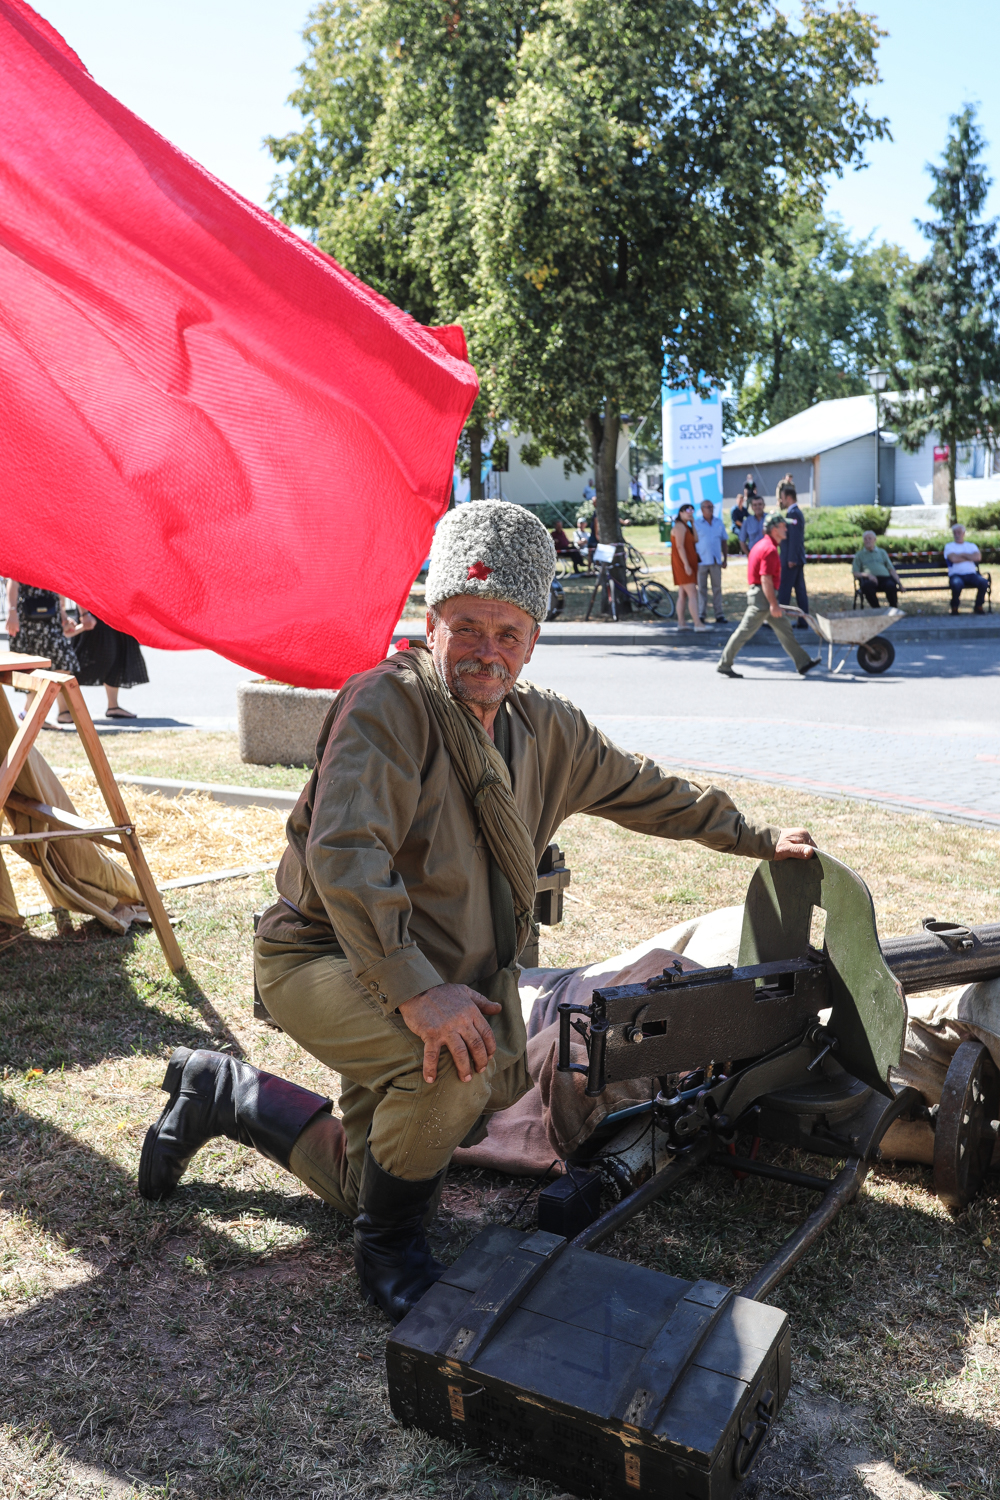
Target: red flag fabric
point(213, 435)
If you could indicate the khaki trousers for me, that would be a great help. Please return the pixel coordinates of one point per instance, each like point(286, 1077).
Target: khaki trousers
point(412, 1126)
point(758, 612)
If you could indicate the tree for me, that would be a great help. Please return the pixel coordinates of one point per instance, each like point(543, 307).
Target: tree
point(587, 185)
point(399, 98)
point(638, 168)
point(947, 316)
point(821, 320)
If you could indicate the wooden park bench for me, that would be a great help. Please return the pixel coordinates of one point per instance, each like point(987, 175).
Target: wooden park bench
point(939, 574)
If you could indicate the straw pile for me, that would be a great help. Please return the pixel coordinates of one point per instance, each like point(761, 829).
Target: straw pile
point(180, 836)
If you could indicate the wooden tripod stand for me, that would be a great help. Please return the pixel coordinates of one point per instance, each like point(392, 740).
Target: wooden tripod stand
point(31, 675)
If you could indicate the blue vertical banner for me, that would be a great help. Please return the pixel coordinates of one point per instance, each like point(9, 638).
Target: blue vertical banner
point(692, 450)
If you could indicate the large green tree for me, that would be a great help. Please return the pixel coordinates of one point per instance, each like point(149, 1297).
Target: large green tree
point(645, 156)
point(947, 315)
point(587, 185)
point(821, 319)
point(399, 98)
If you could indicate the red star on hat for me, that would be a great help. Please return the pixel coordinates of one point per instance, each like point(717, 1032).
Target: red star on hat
point(479, 570)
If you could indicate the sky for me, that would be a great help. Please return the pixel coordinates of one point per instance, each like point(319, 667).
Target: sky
point(213, 76)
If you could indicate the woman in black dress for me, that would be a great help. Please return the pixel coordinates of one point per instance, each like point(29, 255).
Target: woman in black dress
point(110, 657)
point(38, 625)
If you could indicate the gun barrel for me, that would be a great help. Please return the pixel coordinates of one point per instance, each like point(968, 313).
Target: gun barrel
point(938, 960)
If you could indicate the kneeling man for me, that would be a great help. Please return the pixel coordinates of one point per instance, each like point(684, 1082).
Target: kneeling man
point(405, 895)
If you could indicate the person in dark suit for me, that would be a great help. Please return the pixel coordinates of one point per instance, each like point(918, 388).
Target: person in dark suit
point(793, 553)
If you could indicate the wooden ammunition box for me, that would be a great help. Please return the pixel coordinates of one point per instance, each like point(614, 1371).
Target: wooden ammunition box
point(605, 1378)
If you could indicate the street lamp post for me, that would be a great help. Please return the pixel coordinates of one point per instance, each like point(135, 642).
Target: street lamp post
point(878, 380)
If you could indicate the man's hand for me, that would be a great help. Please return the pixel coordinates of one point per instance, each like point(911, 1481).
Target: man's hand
point(793, 843)
point(452, 1016)
point(775, 610)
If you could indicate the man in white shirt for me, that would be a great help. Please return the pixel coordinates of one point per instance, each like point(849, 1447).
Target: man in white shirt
point(712, 545)
point(963, 559)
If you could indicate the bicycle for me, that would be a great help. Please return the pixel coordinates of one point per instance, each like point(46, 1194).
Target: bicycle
point(640, 595)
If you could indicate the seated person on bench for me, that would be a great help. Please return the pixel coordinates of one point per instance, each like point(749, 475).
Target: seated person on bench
point(874, 571)
point(406, 892)
point(963, 559)
point(565, 548)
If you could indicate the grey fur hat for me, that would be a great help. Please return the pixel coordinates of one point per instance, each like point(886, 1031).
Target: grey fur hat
point(494, 550)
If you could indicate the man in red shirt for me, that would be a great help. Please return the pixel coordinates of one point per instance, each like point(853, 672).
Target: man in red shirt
point(763, 578)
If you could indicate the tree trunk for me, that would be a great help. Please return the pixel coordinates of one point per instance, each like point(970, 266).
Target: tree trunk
point(476, 463)
point(952, 460)
point(603, 432)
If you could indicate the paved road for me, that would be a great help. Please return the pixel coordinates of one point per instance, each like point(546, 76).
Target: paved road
point(925, 737)
point(186, 690)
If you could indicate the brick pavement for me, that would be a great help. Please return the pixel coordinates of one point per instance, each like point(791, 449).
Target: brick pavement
point(949, 775)
point(924, 738)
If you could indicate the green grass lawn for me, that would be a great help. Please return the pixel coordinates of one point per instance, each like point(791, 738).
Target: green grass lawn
point(215, 1345)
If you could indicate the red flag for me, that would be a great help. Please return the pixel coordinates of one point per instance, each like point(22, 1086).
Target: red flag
point(213, 435)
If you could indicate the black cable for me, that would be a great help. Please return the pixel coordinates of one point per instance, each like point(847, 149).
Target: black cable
point(535, 1185)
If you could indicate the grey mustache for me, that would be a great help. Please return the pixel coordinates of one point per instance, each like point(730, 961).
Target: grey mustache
point(492, 669)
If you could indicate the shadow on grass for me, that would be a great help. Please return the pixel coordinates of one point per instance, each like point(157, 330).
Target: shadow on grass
point(216, 1343)
point(80, 999)
point(149, 1336)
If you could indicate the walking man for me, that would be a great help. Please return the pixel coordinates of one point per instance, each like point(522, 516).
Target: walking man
point(763, 578)
point(793, 554)
point(712, 542)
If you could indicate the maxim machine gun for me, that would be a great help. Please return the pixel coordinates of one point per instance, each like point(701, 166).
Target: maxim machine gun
point(613, 1380)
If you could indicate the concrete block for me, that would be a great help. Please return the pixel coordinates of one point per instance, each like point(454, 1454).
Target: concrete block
point(278, 725)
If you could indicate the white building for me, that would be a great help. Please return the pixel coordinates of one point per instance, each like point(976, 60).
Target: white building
point(829, 449)
point(548, 483)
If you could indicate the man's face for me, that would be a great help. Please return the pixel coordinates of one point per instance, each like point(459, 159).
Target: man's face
point(959, 533)
point(785, 499)
point(778, 533)
point(869, 540)
point(758, 507)
point(707, 509)
point(480, 646)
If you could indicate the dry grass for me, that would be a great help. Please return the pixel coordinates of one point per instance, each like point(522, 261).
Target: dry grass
point(214, 1345)
point(177, 754)
point(181, 836)
point(625, 888)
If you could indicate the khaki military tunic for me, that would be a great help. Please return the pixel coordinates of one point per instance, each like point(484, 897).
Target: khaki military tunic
point(386, 887)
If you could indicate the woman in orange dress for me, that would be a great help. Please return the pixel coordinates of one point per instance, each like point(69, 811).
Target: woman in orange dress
point(684, 561)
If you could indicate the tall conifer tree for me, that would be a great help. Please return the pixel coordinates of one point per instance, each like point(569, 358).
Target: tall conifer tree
point(947, 316)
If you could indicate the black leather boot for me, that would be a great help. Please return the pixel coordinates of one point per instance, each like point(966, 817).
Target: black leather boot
point(212, 1094)
point(391, 1254)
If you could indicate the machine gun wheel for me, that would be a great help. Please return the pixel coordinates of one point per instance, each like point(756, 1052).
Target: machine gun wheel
point(964, 1139)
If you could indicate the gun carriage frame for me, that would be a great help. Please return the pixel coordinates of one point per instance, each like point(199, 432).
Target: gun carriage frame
point(791, 1044)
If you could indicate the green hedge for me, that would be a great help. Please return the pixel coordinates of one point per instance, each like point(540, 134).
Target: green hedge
point(979, 517)
point(851, 519)
point(988, 543)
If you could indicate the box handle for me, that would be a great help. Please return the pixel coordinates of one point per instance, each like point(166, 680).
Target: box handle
point(752, 1435)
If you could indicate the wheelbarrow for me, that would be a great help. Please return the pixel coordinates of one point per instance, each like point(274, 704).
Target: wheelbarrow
point(847, 628)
